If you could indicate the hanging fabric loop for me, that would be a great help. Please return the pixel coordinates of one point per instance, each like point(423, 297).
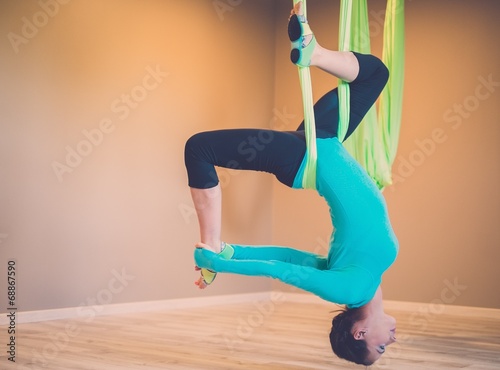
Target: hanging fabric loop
point(309, 179)
point(374, 143)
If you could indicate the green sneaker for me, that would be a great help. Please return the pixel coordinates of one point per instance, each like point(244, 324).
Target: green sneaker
point(298, 29)
point(227, 252)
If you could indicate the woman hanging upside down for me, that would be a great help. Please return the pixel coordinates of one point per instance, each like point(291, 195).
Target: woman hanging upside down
point(363, 245)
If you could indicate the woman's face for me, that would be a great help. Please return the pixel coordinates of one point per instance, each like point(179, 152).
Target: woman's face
point(379, 334)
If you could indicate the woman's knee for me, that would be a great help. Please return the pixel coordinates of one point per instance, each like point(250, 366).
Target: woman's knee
point(195, 141)
point(383, 72)
point(194, 144)
point(371, 68)
point(201, 173)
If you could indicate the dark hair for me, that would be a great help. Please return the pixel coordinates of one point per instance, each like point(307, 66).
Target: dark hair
point(344, 345)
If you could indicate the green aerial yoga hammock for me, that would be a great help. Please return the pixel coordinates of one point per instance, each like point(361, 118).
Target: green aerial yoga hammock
point(309, 122)
point(375, 141)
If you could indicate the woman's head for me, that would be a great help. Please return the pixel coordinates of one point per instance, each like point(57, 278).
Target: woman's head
point(342, 340)
point(360, 336)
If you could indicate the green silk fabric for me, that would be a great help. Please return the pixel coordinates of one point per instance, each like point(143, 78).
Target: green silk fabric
point(309, 122)
point(375, 141)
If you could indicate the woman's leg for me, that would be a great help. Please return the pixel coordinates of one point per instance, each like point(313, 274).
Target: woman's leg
point(341, 64)
point(366, 75)
point(364, 91)
point(207, 203)
point(279, 153)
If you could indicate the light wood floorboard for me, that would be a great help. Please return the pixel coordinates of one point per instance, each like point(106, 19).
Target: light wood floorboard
point(276, 336)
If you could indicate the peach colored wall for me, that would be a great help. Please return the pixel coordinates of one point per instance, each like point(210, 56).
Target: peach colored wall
point(445, 203)
point(141, 77)
point(125, 203)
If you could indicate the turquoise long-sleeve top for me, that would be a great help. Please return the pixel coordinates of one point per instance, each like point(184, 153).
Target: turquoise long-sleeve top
point(362, 247)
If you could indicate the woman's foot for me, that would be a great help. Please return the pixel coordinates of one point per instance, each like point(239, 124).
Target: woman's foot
point(208, 276)
point(341, 64)
point(302, 38)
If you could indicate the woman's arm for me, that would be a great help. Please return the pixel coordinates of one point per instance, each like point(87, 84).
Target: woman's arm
point(277, 253)
point(348, 286)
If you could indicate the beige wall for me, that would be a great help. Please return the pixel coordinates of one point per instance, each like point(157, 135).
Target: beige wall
point(126, 206)
point(444, 203)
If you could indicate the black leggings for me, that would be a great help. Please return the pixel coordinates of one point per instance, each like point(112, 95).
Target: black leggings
point(281, 152)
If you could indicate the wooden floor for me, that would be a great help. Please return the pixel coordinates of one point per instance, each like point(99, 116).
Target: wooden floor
point(275, 336)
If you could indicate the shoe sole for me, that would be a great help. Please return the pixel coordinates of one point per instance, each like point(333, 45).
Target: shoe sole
point(294, 34)
point(294, 28)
